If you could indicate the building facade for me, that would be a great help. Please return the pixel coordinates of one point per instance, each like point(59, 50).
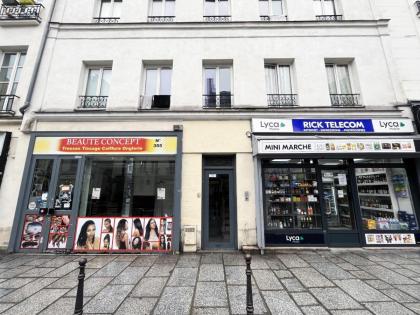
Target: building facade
point(172, 125)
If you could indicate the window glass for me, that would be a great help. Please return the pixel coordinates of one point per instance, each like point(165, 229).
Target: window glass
point(332, 162)
point(224, 7)
point(165, 81)
point(329, 8)
point(224, 81)
point(344, 79)
point(385, 199)
point(318, 7)
point(117, 8)
point(92, 84)
point(22, 60)
point(277, 7)
point(3, 88)
point(41, 180)
point(170, 8)
point(9, 60)
point(157, 6)
point(400, 161)
point(331, 79)
point(17, 75)
point(285, 80)
point(5, 74)
point(106, 82)
point(272, 84)
point(151, 82)
point(209, 7)
point(106, 8)
point(210, 81)
point(264, 7)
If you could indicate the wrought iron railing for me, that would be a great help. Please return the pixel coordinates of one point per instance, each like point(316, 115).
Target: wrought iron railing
point(107, 20)
point(274, 18)
point(345, 100)
point(155, 102)
point(6, 104)
point(93, 102)
point(217, 18)
point(21, 12)
point(333, 17)
point(277, 100)
point(160, 19)
point(217, 100)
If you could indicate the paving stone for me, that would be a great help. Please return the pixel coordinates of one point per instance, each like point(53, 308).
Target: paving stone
point(144, 261)
point(313, 257)
point(357, 260)
point(129, 258)
point(15, 283)
point(351, 312)
point(258, 262)
point(63, 270)
point(212, 259)
point(398, 295)
point(279, 302)
point(183, 277)
point(234, 260)
point(266, 280)
point(160, 270)
point(5, 306)
point(387, 264)
point(149, 287)
point(363, 275)
point(112, 269)
point(275, 264)
point(14, 272)
point(388, 275)
point(211, 311)
point(92, 286)
point(38, 261)
point(63, 306)
point(137, 306)
point(131, 275)
point(166, 259)
point(36, 272)
point(314, 310)
point(281, 274)
point(331, 271)
point(378, 284)
point(334, 298)
point(347, 266)
point(211, 273)
point(292, 285)
point(413, 290)
point(4, 292)
point(412, 306)
point(360, 291)
point(58, 261)
point(304, 299)
point(406, 272)
point(27, 290)
point(235, 275)
point(292, 261)
point(188, 261)
point(415, 268)
point(237, 296)
point(311, 278)
point(100, 262)
point(381, 308)
point(175, 301)
point(211, 294)
point(36, 302)
point(108, 300)
point(70, 280)
point(336, 260)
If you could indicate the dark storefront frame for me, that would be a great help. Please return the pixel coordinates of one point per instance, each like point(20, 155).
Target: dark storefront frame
point(18, 223)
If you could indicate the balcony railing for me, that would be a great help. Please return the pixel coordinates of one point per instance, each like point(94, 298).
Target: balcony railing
point(344, 100)
point(21, 12)
point(418, 7)
point(278, 100)
point(6, 104)
point(273, 18)
point(217, 101)
point(161, 19)
point(329, 17)
point(217, 18)
point(155, 102)
point(93, 102)
point(107, 20)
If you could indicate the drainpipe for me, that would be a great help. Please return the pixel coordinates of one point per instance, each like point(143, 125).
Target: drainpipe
point(38, 60)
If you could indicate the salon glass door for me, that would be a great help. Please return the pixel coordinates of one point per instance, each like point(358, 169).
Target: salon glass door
point(50, 205)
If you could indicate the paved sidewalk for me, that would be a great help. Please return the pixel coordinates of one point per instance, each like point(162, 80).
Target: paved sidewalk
point(292, 282)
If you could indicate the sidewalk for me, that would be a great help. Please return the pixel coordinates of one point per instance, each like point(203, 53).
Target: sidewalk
point(293, 282)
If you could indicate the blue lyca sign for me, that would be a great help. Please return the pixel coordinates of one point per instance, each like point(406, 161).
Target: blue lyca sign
point(332, 125)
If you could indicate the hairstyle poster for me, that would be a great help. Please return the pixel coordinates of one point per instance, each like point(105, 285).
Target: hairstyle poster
point(32, 231)
point(88, 234)
point(59, 231)
point(115, 234)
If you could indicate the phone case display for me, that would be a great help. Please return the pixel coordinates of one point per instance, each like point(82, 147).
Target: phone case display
point(32, 232)
point(291, 199)
point(135, 234)
point(59, 231)
point(384, 199)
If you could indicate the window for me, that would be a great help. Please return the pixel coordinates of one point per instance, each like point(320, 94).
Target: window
point(217, 86)
point(216, 10)
point(157, 91)
point(325, 10)
point(271, 10)
point(11, 68)
point(279, 85)
point(97, 88)
point(110, 11)
point(340, 87)
point(163, 8)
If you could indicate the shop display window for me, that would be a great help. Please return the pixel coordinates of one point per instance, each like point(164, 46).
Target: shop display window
point(127, 186)
point(385, 198)
point(291, 198)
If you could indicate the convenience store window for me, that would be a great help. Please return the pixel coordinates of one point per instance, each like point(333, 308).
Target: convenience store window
point(127, 186)
point(385, 197)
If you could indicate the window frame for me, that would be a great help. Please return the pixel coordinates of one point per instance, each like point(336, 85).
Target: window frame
point(217, 83)
point(336, 79)
point(158, 79)
point(100, 78)
point(270, 8)
point(163, 9)
point(5, 102)
point(112, 9)
point(217, 8)
point(322, 2)
point(278, 65)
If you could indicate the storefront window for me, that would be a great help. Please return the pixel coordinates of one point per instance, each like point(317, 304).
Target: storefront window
point(385, 199)
point(291, 198)
point(40, 184)
point(127, 186)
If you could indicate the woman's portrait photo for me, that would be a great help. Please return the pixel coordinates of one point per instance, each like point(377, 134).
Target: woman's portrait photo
point(106, 241)
point(122, 239)
point(107, 226)
point(136, 243)
point(162, 242)
point(152, 233)
point(137, 228)
point(88, 234)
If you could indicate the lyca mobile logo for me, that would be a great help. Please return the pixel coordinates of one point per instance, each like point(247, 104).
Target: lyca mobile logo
point(272, 124)
point(294, 238)
point(391, 124)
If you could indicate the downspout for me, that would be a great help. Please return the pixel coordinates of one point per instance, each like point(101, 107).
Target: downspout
point(34, 76)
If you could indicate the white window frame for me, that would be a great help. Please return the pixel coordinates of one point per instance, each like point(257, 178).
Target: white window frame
point(278, 65)
point(323, 7)
point(217, 83)
point(337, 82)
point(113, 9)
point(157, 88)
point(12, 75)
point(217, 13)
point(163, 13)
point(270, 8)
point(100, 78)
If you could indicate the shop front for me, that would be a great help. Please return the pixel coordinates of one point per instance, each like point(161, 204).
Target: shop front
point(345, 182)
point(100, 192)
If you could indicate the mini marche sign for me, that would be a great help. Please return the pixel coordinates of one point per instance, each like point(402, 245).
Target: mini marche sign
point(402, 125)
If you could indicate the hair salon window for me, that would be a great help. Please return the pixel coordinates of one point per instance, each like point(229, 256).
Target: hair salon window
point(127, 186)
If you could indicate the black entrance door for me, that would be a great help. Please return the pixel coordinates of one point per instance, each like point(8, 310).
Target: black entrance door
point(219, 211)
